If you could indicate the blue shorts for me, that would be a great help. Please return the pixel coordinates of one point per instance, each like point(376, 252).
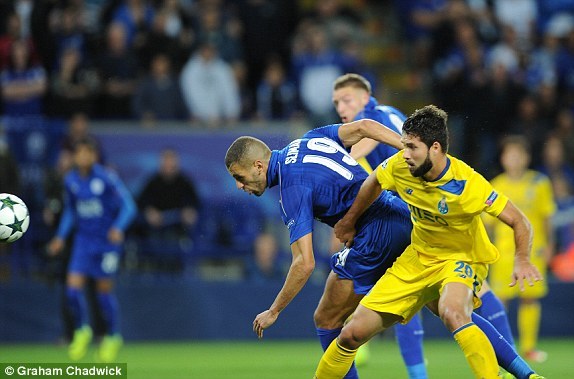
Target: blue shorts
point(376, 246)
point(94, 261)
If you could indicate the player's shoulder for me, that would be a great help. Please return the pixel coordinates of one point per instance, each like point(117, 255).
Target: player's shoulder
point(461, 169)
point(537, 177)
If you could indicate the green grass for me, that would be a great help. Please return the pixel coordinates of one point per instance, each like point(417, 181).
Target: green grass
point(277, 359)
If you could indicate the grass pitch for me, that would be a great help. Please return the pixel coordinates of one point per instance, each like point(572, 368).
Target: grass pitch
point(280, 359)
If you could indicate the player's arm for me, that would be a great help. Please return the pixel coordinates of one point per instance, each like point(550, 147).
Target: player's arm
point(345, 227)
point(524, 270)
point(302, 266)
point(355, 131)
point(126, 214)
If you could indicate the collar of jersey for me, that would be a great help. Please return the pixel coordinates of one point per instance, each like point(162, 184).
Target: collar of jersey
point(273, 169)
point(443, 173)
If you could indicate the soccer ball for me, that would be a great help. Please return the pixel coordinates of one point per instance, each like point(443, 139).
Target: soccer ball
point(14, 217)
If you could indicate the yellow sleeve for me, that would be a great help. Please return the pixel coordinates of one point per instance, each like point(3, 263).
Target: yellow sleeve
point(384, 173)
point(481, 196)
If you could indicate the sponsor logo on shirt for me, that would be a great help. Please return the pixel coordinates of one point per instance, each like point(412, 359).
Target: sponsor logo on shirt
point(409, 191)
point(491, 198)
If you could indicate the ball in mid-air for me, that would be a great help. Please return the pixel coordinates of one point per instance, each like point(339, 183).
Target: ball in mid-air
point(14, 217)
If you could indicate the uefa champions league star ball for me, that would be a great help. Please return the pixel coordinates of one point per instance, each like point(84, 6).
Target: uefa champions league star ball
point(14, 217)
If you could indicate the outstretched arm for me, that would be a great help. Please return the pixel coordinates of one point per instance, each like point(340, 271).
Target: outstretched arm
point(355, 131)
point(345, 227)
point(302, 267)
point(524, 270)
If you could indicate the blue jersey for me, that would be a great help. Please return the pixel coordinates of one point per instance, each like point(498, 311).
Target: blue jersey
point(319, 180)
point(388, 116)
point(95, 203)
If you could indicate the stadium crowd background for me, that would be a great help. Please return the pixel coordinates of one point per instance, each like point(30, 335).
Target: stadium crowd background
point(71, 68)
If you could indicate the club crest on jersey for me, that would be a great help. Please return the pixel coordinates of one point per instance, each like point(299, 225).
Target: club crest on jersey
point(491, 198)
point(442, 206)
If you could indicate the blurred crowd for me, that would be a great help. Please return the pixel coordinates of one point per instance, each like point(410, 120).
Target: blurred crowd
point(498, 67)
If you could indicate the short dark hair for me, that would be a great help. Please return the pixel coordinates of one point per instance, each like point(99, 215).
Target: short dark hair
point(429, 125)
point(88, 142)
point(516, 139)
point(245, 147)
point(352, 80)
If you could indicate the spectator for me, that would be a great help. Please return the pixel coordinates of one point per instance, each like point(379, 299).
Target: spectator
point(13, 33)
point(136, 17)
point(73, 87)
point(209, 88)
point(23, 83)
point(276, 95)
point(158, 96)
point(554, 163)
point(565, 130)
point(265, 265)
point(315, 66)
point(162, 38)
point(529, 124)
point(118, 70)
point(224, 34)
point(169, 204)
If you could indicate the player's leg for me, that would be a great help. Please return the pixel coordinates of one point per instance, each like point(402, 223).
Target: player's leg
point(104, 270)
point(455, 307)
point(107, 301)
point(340, 354)
point(529, 314)
point(410, 339)
point(338, 302)
point(76, 300)
point(493, 309)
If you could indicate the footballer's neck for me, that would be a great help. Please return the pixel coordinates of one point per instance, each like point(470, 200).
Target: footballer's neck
point(437, 169)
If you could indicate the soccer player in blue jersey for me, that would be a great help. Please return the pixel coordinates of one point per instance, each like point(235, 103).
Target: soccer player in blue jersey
point(100, 209)
point(353, 100)
point(318, 179)
point(448, 258)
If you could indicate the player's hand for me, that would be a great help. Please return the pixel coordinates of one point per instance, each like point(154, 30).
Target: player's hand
point(345, 232)
point(153, 217)
point(115, 236)
point(263, 321)
point(55, 246)
point(524, 271)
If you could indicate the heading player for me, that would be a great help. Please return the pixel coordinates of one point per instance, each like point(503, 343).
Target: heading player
point(448, 257)
point(100, 208)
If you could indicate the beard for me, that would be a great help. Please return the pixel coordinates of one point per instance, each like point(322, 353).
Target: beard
point(423, 168)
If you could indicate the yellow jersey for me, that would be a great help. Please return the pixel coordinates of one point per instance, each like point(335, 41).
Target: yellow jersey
point(446, 212)
point(533, 195)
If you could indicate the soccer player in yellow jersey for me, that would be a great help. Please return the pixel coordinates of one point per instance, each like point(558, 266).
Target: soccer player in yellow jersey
point(447, 260)
point(532, 192)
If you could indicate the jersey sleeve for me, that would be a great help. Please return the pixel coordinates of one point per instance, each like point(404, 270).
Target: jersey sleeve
point(384, 173)
point(481, 196)
point(297, 211)
point(329, 131)
point(128, 207)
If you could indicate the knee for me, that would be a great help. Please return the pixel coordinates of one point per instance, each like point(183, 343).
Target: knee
point(327, 320)
point(454, 317)
point(351, 338)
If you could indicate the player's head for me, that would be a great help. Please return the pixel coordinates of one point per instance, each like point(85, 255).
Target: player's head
point(425, 139)
point(247, 160)
point(85, 153)
point(515, 154)
point(169, 163)
point(351, 93)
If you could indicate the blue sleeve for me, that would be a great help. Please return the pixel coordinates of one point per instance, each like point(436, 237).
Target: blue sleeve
point(67, 220)
point(297, 211)
point(329, 131)
point(128, 208)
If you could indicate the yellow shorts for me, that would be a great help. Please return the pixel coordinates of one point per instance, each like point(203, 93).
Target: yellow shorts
point(409, 285)
point(500, 276)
